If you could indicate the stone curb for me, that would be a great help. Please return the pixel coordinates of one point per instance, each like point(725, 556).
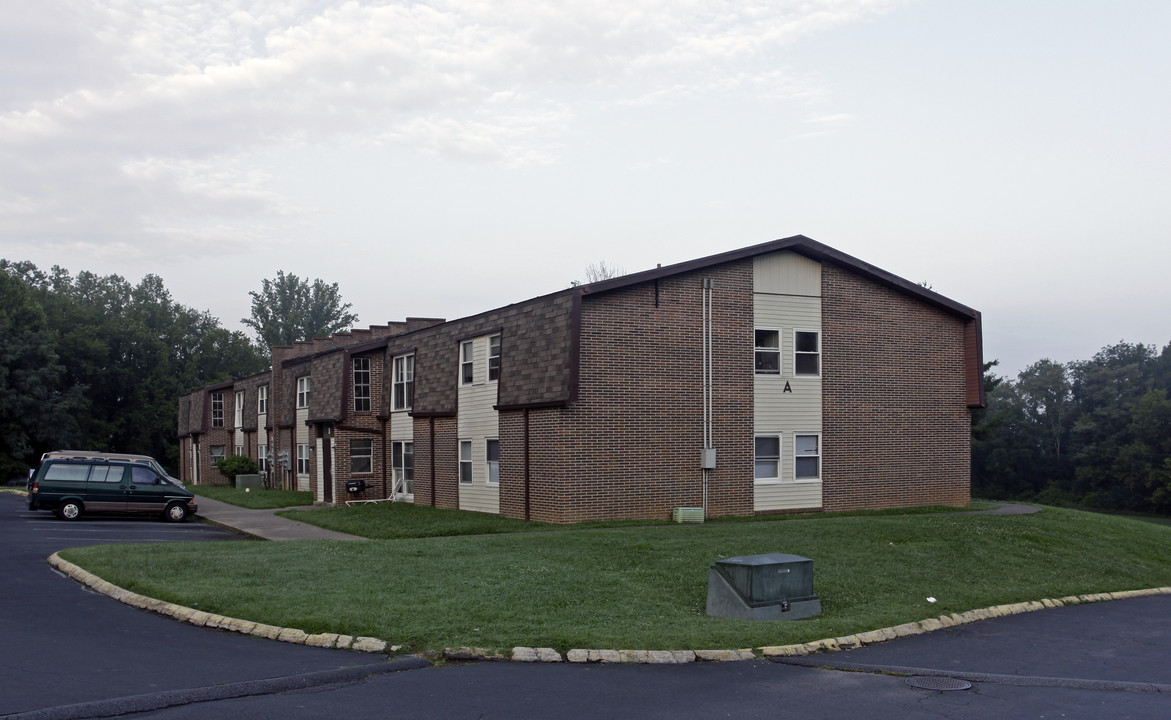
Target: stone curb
point(549, 655)
point(945, 621)
point(211, 620)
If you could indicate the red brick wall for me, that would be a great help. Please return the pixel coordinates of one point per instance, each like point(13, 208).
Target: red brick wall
point(630, 446)
point(896, 427)
point(446, 458)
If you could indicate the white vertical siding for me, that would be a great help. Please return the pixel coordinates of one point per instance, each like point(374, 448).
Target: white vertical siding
point(302, 434)
point(477, 422)
point(788, 290)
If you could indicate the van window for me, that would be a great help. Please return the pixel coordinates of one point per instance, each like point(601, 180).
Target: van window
point(63, 471)
point(141, 475)
point(106, 473)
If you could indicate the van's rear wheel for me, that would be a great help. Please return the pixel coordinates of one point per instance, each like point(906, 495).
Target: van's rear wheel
point(69, 510)
point(175, 512)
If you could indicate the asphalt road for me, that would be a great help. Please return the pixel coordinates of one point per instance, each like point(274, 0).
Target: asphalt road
point(60, 644)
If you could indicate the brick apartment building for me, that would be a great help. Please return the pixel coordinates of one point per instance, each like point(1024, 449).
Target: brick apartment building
point(783, 377)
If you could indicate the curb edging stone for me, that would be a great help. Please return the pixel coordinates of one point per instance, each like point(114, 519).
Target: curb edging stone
point(583, 656)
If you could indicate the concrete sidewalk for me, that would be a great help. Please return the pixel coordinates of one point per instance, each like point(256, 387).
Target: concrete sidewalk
point(264, 524)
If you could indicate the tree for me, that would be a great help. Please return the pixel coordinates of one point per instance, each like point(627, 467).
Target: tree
point(599, 271)
point(288, 309)
point(36, 406)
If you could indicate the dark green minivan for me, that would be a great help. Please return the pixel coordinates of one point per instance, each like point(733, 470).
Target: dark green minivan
point(72, 487)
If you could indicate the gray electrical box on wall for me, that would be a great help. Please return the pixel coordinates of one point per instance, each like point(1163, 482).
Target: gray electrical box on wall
point(707, 459)
point(762, 587)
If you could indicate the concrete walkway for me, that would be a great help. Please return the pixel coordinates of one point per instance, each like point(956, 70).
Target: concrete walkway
point(264, 524)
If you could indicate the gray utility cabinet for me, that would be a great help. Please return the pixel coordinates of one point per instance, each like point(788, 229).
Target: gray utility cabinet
point(762, 587)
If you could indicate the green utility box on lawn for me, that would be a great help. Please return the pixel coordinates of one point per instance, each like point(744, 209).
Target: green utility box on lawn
point(249, 481)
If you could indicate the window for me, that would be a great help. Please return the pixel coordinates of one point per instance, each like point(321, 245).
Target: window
point(217, 409)
point(402, 460)
point(494, 358)
point(361, 456)
point(262, 400)
point(302, 459)
point(466, 366)
point(465, 461)
point(404, 382)
point(107, 473)
point(262, 458)
point(807, 464)
point(142, 475)
point(303, 386)
point(807, 352)
point(768, 352)
point(239, 410)
point(362, 384)
point(216, 452)
point(493, 447)
point(768, 457)
point(239, 449)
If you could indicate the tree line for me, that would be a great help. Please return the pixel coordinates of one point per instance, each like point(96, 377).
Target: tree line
point(95, 362)
point(1093, 433)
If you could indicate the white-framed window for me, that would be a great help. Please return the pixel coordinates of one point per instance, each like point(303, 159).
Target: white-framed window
point(302, 459)
point(304, 384)
point(239, 409)
point(262, 458)
point(493, 358)
point(361, 456)
point(807, 457)
point(467, 372)
point(217, 409)
point(465, 461)
point(402, 460)
point(806, 352)
point(262, 400)
point(239, 449)
point(404, 382)
point(768, 458)
point(217, 452)
point(362, 384)
point(768, 351)
point(493, 451)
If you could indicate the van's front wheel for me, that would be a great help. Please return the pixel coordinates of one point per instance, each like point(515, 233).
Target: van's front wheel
point(175, 512)
point(69, 510)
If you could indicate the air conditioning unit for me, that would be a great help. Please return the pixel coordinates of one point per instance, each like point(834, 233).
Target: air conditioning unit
point(687, 515)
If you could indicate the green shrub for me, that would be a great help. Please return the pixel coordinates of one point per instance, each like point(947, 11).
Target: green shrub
point(234, 465)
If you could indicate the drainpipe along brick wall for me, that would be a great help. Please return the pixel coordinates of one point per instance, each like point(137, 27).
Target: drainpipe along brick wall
point(629, 447)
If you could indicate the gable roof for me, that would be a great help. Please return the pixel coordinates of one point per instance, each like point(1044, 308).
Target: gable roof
point(973, 334)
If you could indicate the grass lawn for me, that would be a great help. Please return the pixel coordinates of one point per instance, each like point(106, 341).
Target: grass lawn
point(256, 499)
point(399, 521)
point(642, 588)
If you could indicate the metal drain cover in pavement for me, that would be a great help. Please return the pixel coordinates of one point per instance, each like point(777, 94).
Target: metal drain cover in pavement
point(930, 682)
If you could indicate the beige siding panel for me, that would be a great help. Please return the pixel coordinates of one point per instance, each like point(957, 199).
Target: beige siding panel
point(787, 273)
point(478, 422)
point(788, 496)
point(302, 433)
point(800, 408)
point(797, 410)
point(402, 427)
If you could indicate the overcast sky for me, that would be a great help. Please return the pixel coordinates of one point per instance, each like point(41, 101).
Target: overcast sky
point(441, 158)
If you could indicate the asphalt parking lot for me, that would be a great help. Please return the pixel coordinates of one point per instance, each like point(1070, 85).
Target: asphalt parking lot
point(68, 652)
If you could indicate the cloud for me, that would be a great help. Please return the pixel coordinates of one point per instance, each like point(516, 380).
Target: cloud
point(140, 118)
